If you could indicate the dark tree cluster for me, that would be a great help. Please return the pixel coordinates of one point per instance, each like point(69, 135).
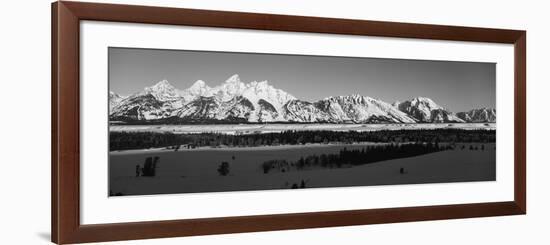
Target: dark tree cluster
point(149, 168)
point(355, 157)
point(223, 169)
point(144, 140)
point(141, 140)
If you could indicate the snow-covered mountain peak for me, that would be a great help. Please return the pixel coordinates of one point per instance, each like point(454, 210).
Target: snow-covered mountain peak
point(163, 84)
point(426, 102)
point(426, 110)
point(114, 99)
point(115, 96)
point(355, 98)
point(229, 89)
point(162, 91)
point(235, 79)
point(420, 98)
point(260, 85)
point(257, 91)
point(361, 109)
point(198, 84)
point(237, 101)
point(265, 89)
point(484, 114)
point(199, 87)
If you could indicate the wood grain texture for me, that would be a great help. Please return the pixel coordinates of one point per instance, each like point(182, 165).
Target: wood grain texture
point(520, 148)
point(54, 114)
point(66, 17)
point(67, 125)
point(193, 227)
point(224, 19)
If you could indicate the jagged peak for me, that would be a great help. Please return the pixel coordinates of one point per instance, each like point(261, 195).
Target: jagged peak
point(163, 83)
point(117, 95)
point(489, 109)
point(422, 99)
point(484, 114)
point(233, 79)
point(351, 97)
point(426, 102)
point(199, 84)
point(485, 109)
point(162, 90)
point(261, 84)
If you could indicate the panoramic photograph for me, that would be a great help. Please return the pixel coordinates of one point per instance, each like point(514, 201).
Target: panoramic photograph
point(201, 121)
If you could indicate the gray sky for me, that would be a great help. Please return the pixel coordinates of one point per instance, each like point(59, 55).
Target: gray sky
point(458, 86)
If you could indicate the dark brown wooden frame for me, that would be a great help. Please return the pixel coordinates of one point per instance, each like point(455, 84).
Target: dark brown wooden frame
point(65, 175)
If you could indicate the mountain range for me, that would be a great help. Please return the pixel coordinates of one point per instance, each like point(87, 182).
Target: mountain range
point(234, 101)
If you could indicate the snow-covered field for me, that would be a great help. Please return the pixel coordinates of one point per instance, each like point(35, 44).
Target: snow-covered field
point(196, 170)
point(274, 128)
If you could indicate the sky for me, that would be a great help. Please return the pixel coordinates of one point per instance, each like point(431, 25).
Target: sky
point(457, 86)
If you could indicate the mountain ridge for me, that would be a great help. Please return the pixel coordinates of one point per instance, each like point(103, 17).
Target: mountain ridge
point(234, 101)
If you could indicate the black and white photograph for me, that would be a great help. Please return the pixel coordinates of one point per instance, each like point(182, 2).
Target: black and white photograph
point(184, 121)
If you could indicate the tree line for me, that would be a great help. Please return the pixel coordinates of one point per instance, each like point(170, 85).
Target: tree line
point(353, 157)
point(144, 140)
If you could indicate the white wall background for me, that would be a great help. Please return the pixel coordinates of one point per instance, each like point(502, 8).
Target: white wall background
point(25, 120)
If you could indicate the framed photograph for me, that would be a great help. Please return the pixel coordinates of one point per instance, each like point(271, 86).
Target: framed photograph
point(176, 122)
